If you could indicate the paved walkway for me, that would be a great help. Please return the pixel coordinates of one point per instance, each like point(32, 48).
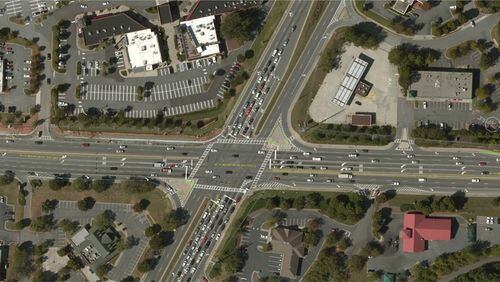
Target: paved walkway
point(468, 268)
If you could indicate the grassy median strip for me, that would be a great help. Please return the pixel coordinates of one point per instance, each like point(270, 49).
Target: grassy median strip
point(312, 20)
point(185, 237)
point(272, 20)
point(371, 14)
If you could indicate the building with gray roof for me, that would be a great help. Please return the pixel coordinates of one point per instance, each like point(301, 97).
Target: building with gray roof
point(95, 247)
point(454, 85)
point(97, 29)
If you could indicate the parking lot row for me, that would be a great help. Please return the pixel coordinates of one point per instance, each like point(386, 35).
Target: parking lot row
point(37, 7)
point(117, 207)
point(454, 124)
point(189, 108)
point(450, 106)
point(108, 92)
point(141, 113)
point(177, 89)
point(184, 66)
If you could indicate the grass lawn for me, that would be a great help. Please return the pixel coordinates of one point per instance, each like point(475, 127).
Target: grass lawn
point(272, 20)
point(10, 191)
point(317, 10)
point(372, 15)
point(472, 208)
point(159, 207)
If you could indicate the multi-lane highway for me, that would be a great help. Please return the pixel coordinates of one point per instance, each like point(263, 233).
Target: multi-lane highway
point(233, 165)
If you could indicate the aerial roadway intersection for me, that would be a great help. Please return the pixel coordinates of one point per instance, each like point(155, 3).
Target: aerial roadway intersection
point(255, 148)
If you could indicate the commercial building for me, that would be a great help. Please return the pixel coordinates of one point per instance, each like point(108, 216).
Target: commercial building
point(169, 12)
point(199, 38)
point(97, 29)
point(95, 247)
point(204, 8)
point(351, 79)
point(417, 229)
point(142, 50)
point(439, 85)
point(403, 6)
point(362, 119)
point(289, 243)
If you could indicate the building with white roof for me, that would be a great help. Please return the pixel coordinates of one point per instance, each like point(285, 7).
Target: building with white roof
point(351, 79)
point(199, 37)
point(143, 49)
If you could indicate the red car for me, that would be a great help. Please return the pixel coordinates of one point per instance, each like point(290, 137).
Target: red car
point(86, 144)
point(482, 163)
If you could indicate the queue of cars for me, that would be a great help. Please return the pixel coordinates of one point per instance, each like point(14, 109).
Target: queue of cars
point(208, 231)
point(244, 122)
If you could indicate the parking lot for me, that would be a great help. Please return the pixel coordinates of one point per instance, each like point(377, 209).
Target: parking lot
point(6, 213)
point(29, 8)
point(185, 66)
point(456, 115)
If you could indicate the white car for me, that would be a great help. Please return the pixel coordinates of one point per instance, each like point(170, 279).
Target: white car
point(375, 161)
point(26, 76)
point(105, 3)
point(62, 104)
point(476, 180)
point(170, 148)
point(323, 168)
point(310, 180)
point(261, 152)
point(306, 153)
point(215, 176)
point(120, 151)
point(455, 158)
point(414, 162)
point(213, 150)
point(209, 171)
point(347, 168)
point(329, 180)
point(395, 183)
point(2, 199)
point(123, 146)
point(459, 163)
point(425, 105)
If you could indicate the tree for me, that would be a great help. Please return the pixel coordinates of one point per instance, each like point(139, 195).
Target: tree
point(86, 203)
point(365, 34)
point(81, 183)
point(160, 240)
point(64, 250)
point(266, 247)
point(249, 54)
point(43, 223)
point(104, 220)
point(75, 263)
point(6, 178)
point(152, 230)
point(372, 249)
point(146, 265)
point(135, 185)
point(141, 205)
point(100, 185)
point(355, 263)
point(69, 226)
point(35, 183)
point(299, 202)
point(43, 248)
point(49, 205)
point(103, 270)
point(175, 218)
point(238, 25)
point(58, 183)
point(127, 243)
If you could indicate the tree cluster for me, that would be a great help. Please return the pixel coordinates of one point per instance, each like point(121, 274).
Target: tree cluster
point(372, 249)
point(450, 262)
point(86, 203)
point(104, 219)
point(486, 272)
point(69, 226)
point(43, 223)
point(6, 178)
point(175, 218)
point(234, 259)
point(460, 19)
point(241, 25)
point(58, 182)
point(365, 34)
point(22, 262)
point(329, 266)
point(431, 204)
point(351, 134)
point(487, 6)
point(407, 58)
point(406, 26)
point(484, 103)
point(380, 220)
point(138, 185)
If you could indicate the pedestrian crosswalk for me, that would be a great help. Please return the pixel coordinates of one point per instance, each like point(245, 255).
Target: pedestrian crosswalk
point(404, 145)
point(177, 89)
point(261, 169)
point(254, 141)
point(367, 186)
point(410, 190)
point(201, 160)
point(141, 114)
point(274, 185)
point(219, 188)
point(188, 108)
point(108, 92)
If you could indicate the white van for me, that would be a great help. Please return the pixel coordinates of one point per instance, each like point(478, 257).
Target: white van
point(422, 180)
point(317, 158)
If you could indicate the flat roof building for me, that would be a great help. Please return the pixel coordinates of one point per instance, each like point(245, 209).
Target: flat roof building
point(417, 228)
point(362, 119)
point(442, 86)
point(169, 12)
point(199, 37)
point(143, 50)
point(290, 244)
point(94, 246)
point(203, 8)
point(97, 29)
point(351, 79)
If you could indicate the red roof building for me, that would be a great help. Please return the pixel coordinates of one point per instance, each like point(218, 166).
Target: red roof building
point(417, 228)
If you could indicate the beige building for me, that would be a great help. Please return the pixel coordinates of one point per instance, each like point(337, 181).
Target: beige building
point(290, 244)
point(442, 86)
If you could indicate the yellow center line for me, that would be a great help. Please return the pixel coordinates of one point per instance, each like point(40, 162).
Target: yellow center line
point(25, 153)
